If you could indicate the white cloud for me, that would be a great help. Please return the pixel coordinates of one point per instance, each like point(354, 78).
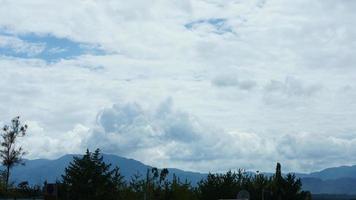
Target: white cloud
point(39, 142)
point(163, 136)
point(286, 67)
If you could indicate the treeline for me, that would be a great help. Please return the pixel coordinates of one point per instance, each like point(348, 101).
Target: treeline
point(89, 178)
point(20, 191)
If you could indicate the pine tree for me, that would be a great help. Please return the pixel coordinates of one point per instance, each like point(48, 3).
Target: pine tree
point(90, 178)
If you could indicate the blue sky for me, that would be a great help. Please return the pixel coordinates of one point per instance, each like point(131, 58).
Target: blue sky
point(44, 46)
point(203, 85)
point(219, 24)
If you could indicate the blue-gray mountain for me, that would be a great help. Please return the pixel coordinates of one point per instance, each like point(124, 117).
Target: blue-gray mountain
point(338, 180)
point(40, 170)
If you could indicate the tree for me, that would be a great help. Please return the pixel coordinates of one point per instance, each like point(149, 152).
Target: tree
point(156, 184)
point(221, 186)
point(11, 154)
point(90, 178)
point(278, 183)
point(287, 187)
point(276, 187)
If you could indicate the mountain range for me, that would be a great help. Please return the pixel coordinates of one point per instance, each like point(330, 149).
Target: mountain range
point(337, 180)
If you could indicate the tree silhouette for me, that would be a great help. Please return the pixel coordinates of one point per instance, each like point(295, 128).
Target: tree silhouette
point(155, 185)
point(276, 187)
point(278, 183)
point(11, 154)
point(90, 178)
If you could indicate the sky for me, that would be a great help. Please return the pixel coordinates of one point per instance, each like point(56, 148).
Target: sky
point(201, 85)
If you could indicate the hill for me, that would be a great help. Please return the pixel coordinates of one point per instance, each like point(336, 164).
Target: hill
point(39, 170)
point(336, 180)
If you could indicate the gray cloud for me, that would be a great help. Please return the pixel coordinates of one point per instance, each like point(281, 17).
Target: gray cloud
point(290, 92)
point(233, 81)
point(292, 87)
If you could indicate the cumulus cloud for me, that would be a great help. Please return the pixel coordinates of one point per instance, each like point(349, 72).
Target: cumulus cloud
point(165, 136)
point(39, 142)
point(128, 128)
point(164, 133)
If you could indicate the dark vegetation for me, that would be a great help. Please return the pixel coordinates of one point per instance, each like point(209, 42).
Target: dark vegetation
point(88, 177)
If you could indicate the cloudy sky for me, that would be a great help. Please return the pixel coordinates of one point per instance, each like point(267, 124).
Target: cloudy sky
point(203, 85)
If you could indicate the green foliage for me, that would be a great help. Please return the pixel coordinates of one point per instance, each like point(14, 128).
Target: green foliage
point(89, 178)
point(155, 186)
point(221, 186)
point(226, 186)
point(10, 154)
point(181, 191)
point(22, 190)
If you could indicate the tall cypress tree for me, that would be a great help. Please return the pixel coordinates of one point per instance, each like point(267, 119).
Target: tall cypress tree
point(278, 183)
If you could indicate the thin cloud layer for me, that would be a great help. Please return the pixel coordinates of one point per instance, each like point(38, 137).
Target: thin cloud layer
point(247, 82)
point(10, 45)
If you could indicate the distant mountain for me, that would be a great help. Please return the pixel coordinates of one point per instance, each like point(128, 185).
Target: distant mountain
point(335, 173)
point(40, 170)
point(336, 180)
point(331, 186)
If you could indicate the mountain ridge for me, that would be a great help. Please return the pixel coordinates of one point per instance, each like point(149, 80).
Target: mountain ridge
point(334, 180)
